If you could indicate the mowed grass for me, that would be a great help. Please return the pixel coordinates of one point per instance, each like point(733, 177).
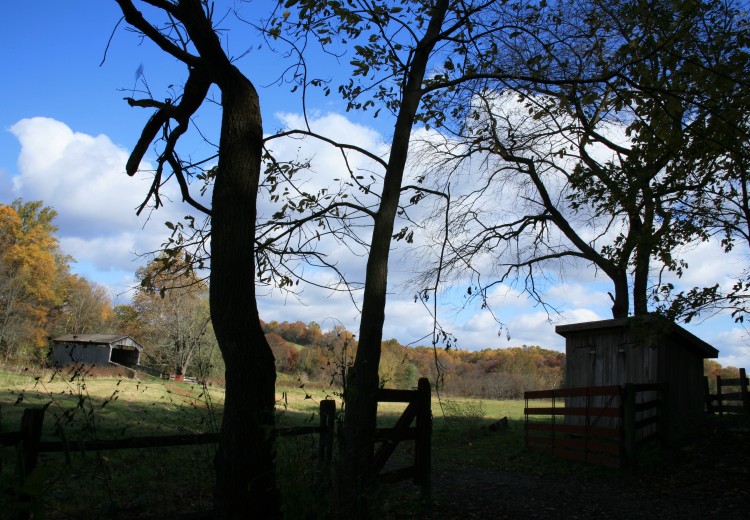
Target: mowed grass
point(108, 407)
point(164, 482)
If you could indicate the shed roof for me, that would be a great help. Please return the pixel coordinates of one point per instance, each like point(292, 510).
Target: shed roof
point(688, 339)
point(99, 339)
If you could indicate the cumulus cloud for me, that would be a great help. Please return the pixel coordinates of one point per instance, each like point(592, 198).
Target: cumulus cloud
point(703, 267)
point(83, 178)
point(328, 165)
point(734, 346)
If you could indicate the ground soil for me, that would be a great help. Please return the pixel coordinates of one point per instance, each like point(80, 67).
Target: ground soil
point(708, 478)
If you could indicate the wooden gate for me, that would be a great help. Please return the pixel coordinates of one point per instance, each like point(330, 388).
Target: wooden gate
point(418, 412)
point(604, 425)
point(731, 395)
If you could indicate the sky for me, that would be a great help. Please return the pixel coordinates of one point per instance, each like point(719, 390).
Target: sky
point(66, 132)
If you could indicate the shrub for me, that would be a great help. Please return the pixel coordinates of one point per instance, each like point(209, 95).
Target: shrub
point(464, 413)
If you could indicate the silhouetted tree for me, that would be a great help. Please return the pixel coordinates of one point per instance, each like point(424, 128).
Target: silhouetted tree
point(245, 474)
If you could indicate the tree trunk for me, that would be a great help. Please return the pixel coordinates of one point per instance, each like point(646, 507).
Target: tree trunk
point(643, 226)
point(362, 380)
point(245, 475)
point(640, 280)
point(621, 299)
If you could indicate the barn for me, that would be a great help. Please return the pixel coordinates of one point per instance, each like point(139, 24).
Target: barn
point(96, 349)
point(637, 350)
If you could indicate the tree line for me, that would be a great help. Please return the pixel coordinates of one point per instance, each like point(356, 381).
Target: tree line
point(41, 299)
point(312, 355)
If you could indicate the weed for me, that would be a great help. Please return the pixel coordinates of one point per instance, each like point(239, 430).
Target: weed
point(466, 414)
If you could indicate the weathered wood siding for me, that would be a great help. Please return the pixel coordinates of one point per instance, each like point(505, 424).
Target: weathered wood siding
point(619, 352)
point(608, 357)
point(72, 353)
point(681, 374)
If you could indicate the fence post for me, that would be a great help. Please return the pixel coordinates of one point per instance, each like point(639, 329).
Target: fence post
point(667, 422)
point(743, 390)
point(31, 430)
point(628, 424)
point(327, 422)
point(709, 397)
point(423, 445)
point(719, 399)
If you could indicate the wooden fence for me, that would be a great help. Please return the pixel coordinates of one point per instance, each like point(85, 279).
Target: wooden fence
point(419, 412)
point(415, 424)
point(29, 438)
point(731, 395)
point(602, 425)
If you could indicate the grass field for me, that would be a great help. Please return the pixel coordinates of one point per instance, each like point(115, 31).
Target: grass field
point(111, 483)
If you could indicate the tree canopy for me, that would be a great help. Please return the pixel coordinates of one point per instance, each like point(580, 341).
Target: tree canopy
point(612, 148)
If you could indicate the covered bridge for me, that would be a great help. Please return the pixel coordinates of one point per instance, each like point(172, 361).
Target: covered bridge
point(96, 349)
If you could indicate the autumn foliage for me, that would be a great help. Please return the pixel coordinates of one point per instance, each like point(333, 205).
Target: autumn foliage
point(314, 355)
point(39, 297)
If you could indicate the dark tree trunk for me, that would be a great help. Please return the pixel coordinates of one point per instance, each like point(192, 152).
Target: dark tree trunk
point(245, 474)
point(621, 299)
point(642, 225)
point(245, 478)
point(640, 281)
point(362, 380)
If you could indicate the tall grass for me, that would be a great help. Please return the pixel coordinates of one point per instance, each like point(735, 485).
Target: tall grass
point(162, 482)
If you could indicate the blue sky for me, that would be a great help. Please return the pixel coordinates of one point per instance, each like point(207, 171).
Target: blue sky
point(65, 133)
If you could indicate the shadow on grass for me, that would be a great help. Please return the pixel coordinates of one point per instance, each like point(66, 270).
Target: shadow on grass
point(165, 482)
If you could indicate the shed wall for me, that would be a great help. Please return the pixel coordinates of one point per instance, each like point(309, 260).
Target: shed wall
point(608, 357)
point(681, 376)
point(622, 354)
point(67, 353)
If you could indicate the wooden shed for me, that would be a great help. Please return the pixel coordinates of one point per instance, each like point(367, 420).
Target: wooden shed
point(639, 350)
point(96, 349)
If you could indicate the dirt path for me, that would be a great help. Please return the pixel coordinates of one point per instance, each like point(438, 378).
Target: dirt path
point(710, 479)
point(478, 493)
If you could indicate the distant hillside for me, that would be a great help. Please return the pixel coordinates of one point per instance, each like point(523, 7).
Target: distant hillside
point(317, 355)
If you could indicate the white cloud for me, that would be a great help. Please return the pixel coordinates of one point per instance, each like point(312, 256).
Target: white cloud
point(709, 264)
point(328, 168)
point(105, 253)
point(732, 341)
point(83, 178)
point(577, 295)
point(581, 315)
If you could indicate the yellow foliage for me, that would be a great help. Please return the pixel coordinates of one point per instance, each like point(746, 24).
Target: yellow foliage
point(28, 272)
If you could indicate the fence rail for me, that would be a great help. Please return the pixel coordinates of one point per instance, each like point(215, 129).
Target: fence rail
point(602, 425)
point(30, 435)
point(415, 424)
